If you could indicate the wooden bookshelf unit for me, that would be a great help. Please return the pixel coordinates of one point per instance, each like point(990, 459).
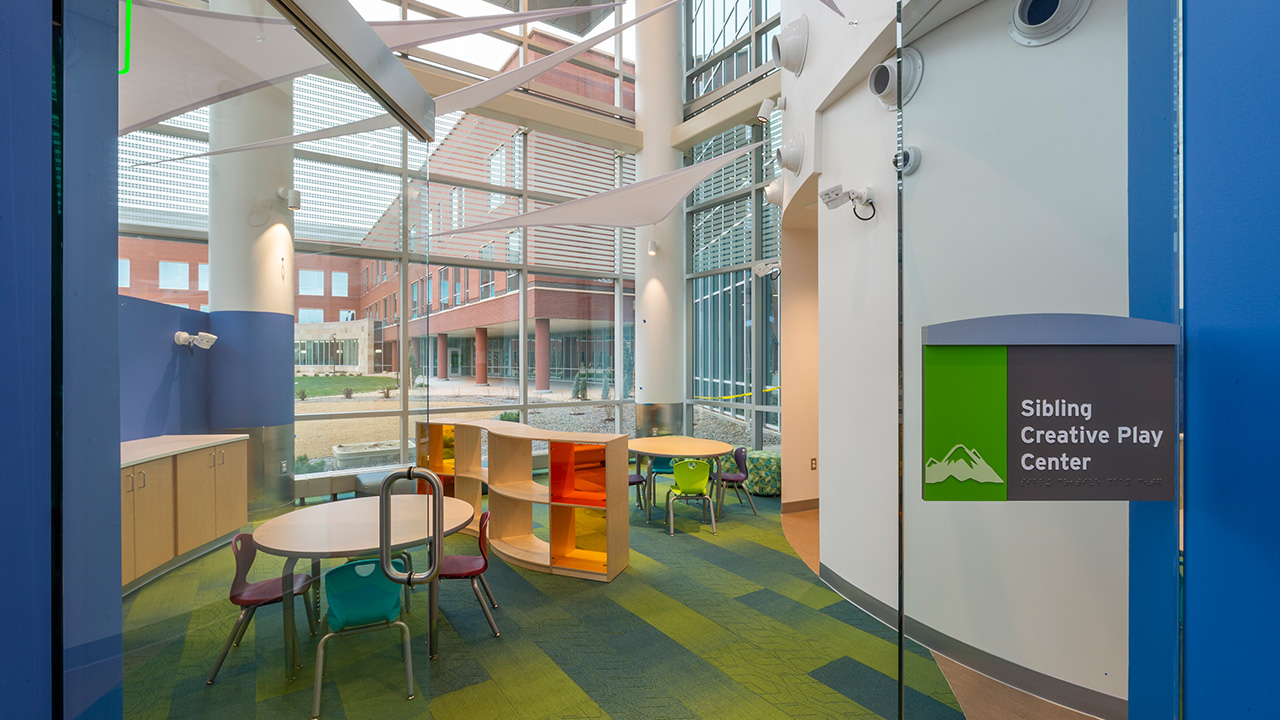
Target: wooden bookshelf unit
point(586, 497)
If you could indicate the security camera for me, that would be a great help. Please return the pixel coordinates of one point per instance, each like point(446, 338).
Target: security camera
point(203, 340)
point(834, 197)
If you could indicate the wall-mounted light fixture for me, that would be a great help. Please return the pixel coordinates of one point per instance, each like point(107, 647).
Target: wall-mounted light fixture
point(767, 107)
point(861, 197)
point(790, 45)
point(773, 192)
point(203, 340)
point(908, 160)
point(1040, 22)
point(291, 197)
point(791, 154)
point(653, 247)
point(883, 80)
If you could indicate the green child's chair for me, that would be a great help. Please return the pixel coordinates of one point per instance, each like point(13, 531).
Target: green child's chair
point(693, 483)
point(361, 599)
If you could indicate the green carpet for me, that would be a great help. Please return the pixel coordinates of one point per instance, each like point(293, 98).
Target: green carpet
point(699, 626)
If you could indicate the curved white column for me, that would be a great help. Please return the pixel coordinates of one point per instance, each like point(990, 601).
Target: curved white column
point(660, 366)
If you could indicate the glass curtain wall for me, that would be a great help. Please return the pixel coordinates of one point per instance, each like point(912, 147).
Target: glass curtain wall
point(471, 305)
point(735, 288)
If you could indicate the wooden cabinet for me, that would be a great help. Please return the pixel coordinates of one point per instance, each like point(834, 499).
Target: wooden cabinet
point(212, 497)
point(179, 493)
point(195, 498)
point(147, 492)
point(586, 495)
point(231, 493)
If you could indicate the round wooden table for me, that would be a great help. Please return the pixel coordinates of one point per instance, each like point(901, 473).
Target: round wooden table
point(349, 528)
point(681, 446)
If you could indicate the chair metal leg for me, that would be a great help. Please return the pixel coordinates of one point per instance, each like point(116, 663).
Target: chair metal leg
point(753, 502)
point(408, 567)
point(245, 625)
point(713, 518)
point(315, 695)
point(475, 587)
point(406, 649)
point(671, 522)
point(485, 583)
point(241, 621)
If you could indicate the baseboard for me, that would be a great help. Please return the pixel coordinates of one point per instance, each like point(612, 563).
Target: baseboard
point(799, 506)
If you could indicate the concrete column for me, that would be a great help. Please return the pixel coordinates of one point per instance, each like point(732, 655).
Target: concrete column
point(442, 356)
point(660, 299)
point(482, 356)
point(542, 355)
point(251, 281)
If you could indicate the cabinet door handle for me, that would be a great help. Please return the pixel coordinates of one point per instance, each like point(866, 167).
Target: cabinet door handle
point(130, 483)
point(212, 459)
point(144, 479)
point(222, 460)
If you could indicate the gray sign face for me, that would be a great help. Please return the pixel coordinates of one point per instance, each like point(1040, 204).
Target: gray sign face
point(1091, 422)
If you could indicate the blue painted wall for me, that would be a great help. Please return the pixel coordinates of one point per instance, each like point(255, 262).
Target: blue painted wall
point(92, 651)
point(1233, 358)
point(1153, 295)
point(251, 376)
point(26, 663)
point(164, 387)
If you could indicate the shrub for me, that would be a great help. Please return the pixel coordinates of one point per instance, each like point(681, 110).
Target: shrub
point(302, 393)
point(386, 391)
point(347, 392)
point(303, 465)
point(510, 416)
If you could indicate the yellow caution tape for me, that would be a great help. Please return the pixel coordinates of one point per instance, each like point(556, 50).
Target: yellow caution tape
point(731, 397)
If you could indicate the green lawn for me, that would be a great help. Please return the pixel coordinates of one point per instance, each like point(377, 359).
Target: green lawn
point(322, 386)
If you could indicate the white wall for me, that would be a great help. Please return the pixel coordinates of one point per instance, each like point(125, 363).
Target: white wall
point(1019, 206)
point(858, 351)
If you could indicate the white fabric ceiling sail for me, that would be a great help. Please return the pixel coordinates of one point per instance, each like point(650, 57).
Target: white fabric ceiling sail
point(636, 205)
point(184, 58)
point(461, 99)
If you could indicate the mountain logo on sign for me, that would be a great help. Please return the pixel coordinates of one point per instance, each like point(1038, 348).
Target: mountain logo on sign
point(960, 465)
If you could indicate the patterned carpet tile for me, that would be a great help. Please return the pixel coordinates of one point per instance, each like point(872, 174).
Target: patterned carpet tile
point(699, 627)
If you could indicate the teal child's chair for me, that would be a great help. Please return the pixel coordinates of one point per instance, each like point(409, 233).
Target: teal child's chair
point(361, 599)
point(693, 482)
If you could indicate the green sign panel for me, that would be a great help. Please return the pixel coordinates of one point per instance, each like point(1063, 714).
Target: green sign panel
point(964, 418)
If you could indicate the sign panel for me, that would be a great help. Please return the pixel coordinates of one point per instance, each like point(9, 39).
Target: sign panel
point(1049, 422)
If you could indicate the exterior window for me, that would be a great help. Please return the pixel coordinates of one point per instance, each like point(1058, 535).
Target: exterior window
point(426, 296)
point(459, 277)
point(339, 280)
point(204, 308)
point(444, 287)
point(455, 205)
point(413, 301)
point(311, 282)
point(486, 284)
point(497, 176)
point(175, 276)
point(122, 272)
point(181, 305)
point(345, 315)
point(310, 315)
point(202, 277)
